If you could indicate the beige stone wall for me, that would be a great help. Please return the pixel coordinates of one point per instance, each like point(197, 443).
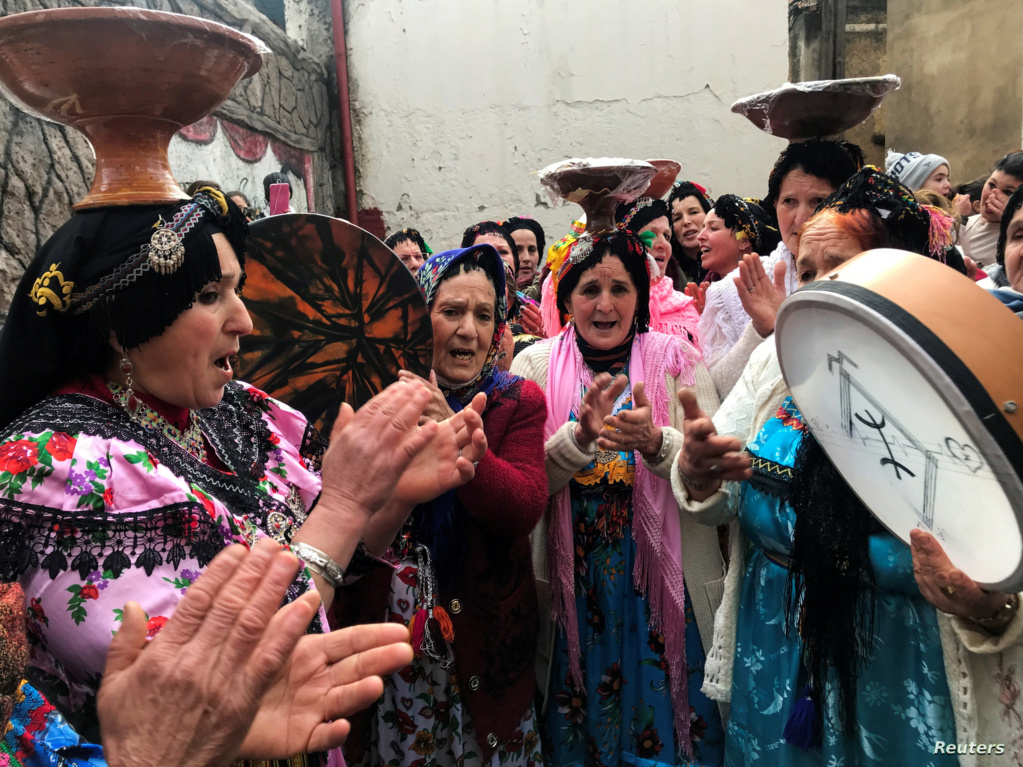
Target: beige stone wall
point(962, 80)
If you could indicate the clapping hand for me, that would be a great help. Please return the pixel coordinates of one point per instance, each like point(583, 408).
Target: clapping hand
point(531, 319)
point(598, 403)
point(698, 293)
point(632, 429)
point(760, 296)
point(707, 458)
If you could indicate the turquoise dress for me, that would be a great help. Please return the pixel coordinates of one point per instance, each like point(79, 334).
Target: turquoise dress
point(624, 716)
point(903, 705)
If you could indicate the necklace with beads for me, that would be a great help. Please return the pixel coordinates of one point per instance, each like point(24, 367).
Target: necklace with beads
point(190, 440)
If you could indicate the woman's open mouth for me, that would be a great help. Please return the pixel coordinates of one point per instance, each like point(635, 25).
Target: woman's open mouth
point(605, 325)
point(462, 355)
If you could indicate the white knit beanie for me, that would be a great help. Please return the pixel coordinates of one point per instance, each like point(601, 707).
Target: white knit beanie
point(913, 169)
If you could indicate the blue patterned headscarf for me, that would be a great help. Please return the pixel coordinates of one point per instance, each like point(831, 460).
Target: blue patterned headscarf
point(447, 264)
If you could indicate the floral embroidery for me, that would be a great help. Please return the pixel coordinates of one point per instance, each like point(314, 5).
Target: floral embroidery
point(154, 625)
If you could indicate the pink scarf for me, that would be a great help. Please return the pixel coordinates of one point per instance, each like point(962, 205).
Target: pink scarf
point(655, 519)
point(673, 312)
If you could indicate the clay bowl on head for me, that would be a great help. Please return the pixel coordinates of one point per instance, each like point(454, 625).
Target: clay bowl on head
point(598, 186)
point(127, 78)
point(667, 172)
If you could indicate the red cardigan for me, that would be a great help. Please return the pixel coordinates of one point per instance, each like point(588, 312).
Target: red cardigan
point(496, 627)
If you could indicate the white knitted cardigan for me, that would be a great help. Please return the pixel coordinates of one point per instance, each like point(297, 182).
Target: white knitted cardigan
point(984, 672)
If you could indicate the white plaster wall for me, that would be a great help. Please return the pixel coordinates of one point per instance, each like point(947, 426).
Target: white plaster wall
point(216, 161)
point(457, 102)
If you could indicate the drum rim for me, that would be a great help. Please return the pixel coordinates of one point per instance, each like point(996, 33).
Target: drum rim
point(961, 391)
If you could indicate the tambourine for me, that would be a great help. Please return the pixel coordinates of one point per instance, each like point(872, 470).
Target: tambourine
point(911, 378)
point(335, 314)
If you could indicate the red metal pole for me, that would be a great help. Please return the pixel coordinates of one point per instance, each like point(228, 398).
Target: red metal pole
point(347, 142)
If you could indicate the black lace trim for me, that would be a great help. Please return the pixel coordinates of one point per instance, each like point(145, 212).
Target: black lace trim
point(312, 449)
point(770, 477)
point(56, 540)
point(83, 539)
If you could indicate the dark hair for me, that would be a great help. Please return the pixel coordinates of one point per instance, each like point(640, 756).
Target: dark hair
point(490, 227)
point(833, 161)
point(1012, 164)
point(239, 193)
point(408, 234)
point(195, 186)
point(1014, 203)
point(632, 253)
point(643, 211)
point(683, 189)
point(515, 223)
point(274, 178)
point(748, 216)
point(971, 188)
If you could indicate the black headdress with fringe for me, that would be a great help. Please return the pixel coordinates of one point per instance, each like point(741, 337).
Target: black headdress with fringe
point(634, 216)
point(127, 271)
point(750, 219)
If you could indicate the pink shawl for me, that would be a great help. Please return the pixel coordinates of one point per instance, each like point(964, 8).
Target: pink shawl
point(673, 312)
point(655, 520)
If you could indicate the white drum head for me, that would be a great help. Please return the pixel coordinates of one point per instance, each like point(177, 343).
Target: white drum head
point(907, 425)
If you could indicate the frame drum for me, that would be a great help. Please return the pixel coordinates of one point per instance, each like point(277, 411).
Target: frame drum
point(911, 378)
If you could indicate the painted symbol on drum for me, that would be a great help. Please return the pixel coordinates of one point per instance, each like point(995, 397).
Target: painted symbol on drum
point(893, 436)
point(967, 455)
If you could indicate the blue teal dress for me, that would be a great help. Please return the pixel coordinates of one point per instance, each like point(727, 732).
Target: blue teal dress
point(624, 716)
point(903, 705)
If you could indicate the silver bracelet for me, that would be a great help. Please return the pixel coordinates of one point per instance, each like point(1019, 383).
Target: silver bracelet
point(319, 563)
point(662, 454)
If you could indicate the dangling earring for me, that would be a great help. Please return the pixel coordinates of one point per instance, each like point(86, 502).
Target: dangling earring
point(127, 368)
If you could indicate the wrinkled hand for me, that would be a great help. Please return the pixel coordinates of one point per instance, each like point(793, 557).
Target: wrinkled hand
point(598, 403)
point(450, 458)
point(934, 573)
point(707, 458)
point(760, 296)
point(632, 429)
point(963, 205)
point(370, 450)
point(437, 409)
point(190, 698)
point(330, 676)
point(531, 319)
point(698, 293)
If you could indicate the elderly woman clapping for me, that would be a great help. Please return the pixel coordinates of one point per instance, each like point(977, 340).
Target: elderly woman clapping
point(463, 580)
point(629, 587)
point(130, 457)
point(836, 642)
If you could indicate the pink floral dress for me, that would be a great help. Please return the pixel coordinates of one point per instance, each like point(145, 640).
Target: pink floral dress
point(96, 510)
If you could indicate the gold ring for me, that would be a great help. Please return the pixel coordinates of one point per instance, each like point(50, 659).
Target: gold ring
point(949, 591)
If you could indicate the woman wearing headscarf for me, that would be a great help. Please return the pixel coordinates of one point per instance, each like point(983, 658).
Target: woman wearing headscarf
point(628, 588)
point(531, 246)
point(130, 458)
point(688, 205)
point(408, 244)
point(463, 579)
point(671, 311)
point(835, 642)
point(734, 227)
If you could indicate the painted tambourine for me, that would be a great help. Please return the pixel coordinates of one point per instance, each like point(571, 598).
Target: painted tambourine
point(911, 378)
point(335, 314)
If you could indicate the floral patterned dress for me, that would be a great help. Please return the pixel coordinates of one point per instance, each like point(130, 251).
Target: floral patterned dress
point(422, 718)
point(624, 716)
point(903, 705)
point(38, 736)
point(96, 510)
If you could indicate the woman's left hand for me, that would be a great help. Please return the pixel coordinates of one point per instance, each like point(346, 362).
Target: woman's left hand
point(946, 587)
point(330, 676)
point(531, 319)
point(632, 429)
point(437, 409)
point(759, 295)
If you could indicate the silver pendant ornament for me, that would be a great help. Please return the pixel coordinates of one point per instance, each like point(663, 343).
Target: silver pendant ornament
point(166, 250)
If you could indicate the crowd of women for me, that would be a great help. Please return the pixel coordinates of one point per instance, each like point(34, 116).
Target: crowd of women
point(601, 526)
